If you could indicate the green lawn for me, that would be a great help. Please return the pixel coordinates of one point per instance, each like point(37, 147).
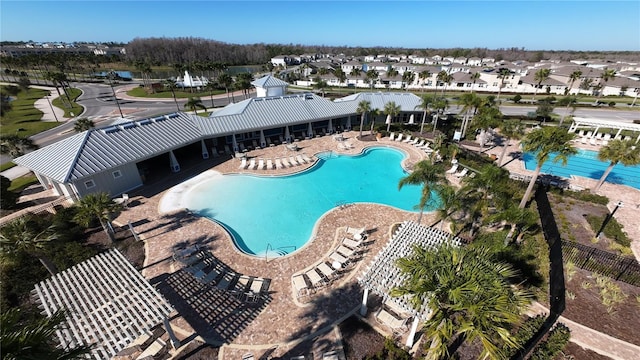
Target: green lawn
point(7, 165)
point(63, 104)
point(19, 184)
point(141, 92)
point(24, 119)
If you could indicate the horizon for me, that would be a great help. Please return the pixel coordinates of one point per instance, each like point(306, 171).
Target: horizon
point(494, 25)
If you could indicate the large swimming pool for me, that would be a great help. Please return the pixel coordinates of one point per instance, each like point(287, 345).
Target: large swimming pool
point(280, 212)
point(586, 164)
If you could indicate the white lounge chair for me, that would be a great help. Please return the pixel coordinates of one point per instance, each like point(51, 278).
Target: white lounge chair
point(286, 163)
point(453, 169)
point(300, 159)
point(392, 136)
point(278, 163)
point(243, 163)
point(462, 173)
point(399, 138)
point(345, 251)
point(261, 164)
point(315, 278)
point(420, 144)
point(353, 244)
point(269, 164)
point(348, 145)
point(407, 139)
point(252, 164)
point(307, 158)
point(293, 161)
point(356, 232)
point(300, 286)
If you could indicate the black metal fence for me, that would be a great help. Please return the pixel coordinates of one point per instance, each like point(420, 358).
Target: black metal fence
point(602, 262)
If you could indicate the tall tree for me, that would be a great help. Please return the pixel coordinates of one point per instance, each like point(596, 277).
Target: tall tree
point(544, 142)
point(26, 337)
point(193, 104)
point(226, 81)
point(440, 105)
point(15, 146)
point(26, 234)
point(445, 78)
point(425, 103)
point(575, 75)
point(519, 220)
point(539, 77)
point(392, 110)
point(342, 77)
point(474, 77)
point(568, 101)
point(450, 202)
point(243, 82)
point(372, 76)
point(423, 75)
point(99, 207)
point(211, 87)
point(625, 152)
point(427, 175)
point(469, 102)
point(509, 130)
point(171, 84)
point(363, 109)
point(502, 75)
point(607, 74)
point(471, 295)
point(83, 124)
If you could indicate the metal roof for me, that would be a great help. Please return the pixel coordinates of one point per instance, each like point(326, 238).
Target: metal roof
point(269, 82)
point(100, 149)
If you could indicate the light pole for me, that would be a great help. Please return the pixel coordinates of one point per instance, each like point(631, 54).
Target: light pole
point(608, 218)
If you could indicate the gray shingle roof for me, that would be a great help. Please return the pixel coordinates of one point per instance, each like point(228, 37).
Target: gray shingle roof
point(407, 101)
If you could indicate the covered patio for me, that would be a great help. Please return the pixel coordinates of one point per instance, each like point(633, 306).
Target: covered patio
point(595, 125)
point(382, 275)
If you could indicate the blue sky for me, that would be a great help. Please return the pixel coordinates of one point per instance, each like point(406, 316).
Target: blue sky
point(534, 25)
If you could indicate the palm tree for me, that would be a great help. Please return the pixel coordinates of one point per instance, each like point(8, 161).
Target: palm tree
point(425, 102)
point(193, 104)
point(372, 76)
point(543, 142)
point(428, 175)
point(570, 101)
point(474, 77)
point(83, 124)
point(392, 110)
point(363, 108)
point(97, 206)
point(320, 85)
point(509, 130)
point(519, 219)
point(469, 102)
point(373, 114)
point(407, 78)
point(471, 295)
point(487, 118)
point(211, 87)
point(445, 78)
point(607, 74)
point(226, 81)
point(423, 75)
point(617, 151)
point(355, 72)
point(539, 77)
point(171, 84)
point(502, 75)
point(15, 146)
point(25, 234)
point(243, 82)
point(440, 105)
point(450, 202)
point(575, 75)
point(342, 77)
point(25, 337)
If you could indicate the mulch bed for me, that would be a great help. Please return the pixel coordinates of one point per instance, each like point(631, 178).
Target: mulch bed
point(579, 353)
point(359, 339)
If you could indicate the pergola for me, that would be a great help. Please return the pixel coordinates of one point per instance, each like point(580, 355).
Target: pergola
point(382, 275)
point(108, 304)
point(597, 124)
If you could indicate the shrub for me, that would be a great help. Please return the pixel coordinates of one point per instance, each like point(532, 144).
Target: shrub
point(612, 103)
point(8, 198)
point(556, 341)
point(517, 98)
point(391, 351)
point(584, 195)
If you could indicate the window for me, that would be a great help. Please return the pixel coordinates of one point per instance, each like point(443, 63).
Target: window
point(89, 184)
point(116, 174)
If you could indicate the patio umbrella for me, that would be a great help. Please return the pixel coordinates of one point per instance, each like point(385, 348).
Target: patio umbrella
point(388, 122)
point(411, 119)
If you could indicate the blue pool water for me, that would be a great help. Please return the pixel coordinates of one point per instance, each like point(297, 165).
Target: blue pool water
point(282, 211)
point(586, 164)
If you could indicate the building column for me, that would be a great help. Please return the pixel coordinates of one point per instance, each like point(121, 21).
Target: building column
point(263, 142)
point(414, 328)
point(310, 132)
point(618, 133)
point(287, 134)
point(234, 143)
point(595, 132)
point(205, 152)
point(173, 162)
point(363, 306)
point(330, 127)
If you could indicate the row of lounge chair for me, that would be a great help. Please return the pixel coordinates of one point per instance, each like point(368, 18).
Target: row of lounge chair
point(344, 145)
point(459, 174)
point(208, 270)
point(277, 163)
point(598, 138)
point(420, 143)
point(322, 274)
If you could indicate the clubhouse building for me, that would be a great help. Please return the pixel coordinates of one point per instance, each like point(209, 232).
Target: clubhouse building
point(127, 154)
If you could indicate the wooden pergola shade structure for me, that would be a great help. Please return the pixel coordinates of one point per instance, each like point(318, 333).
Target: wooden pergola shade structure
point(107, 302)
point(382, 275)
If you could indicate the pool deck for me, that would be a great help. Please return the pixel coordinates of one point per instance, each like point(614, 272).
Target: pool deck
point(281, 325)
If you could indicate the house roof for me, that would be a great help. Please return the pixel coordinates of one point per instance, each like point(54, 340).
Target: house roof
point(269, 81)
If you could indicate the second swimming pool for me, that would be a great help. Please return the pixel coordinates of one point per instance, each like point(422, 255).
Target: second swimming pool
point(586, 164)
point(280, 212)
